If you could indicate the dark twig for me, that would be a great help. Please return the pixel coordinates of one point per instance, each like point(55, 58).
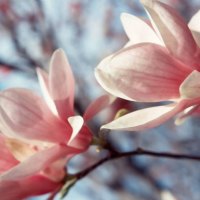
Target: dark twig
point(137, 152)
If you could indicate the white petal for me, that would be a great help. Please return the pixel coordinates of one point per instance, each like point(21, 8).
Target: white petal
point(44, 84)
point(138, 31)
point(76, 123)
point(145, 118)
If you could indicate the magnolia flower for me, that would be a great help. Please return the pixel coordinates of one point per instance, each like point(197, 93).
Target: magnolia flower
point(161, 62)
point(26, 171)
point(39, 136)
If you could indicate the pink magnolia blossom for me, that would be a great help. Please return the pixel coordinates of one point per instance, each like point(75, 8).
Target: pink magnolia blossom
point(161, 62)
point(39, 136)
point(26, 171)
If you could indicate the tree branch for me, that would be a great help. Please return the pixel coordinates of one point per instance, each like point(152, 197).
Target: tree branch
point(137, 152)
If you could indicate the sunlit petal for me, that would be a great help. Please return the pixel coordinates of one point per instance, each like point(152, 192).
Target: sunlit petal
point(44, 84)
point(23, 114)
point(145, 72)
point(138, 31)
point(61, 84)
point(173, 31)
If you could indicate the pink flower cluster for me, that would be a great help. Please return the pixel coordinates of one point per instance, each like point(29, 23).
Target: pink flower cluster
point(38, 136)
point(161, 62)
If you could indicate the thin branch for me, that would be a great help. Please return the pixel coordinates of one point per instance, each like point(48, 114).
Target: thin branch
point(9, 65)
point(137, 152)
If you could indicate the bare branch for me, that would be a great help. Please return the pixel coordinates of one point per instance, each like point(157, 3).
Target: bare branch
point(138, 152)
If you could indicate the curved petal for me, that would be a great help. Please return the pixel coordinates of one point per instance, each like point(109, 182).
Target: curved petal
point(191, 111)
point(44, 84)
point(138, 31)
point(36, 185)
point(81, 136)
point(145, 72)
point(97, 106)
point(24, 115)
point(146, 118)
point(102, 75)
point(173, 31)
point(37, 162)
point(190, 88)
point(141, 119)
point(76, 123)
point(61, 84)
point(194, 27)
point(83, 139)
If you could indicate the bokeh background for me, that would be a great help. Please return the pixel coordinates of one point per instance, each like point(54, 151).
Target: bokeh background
point(89, 30)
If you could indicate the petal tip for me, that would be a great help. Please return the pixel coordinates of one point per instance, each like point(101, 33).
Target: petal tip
point(179, 121)
point(38, 71)
point(124, 15)
point(58, 52)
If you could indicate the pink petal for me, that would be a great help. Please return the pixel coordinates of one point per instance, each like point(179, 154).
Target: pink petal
point(97, 106)
point(145, 72)
point(174, 32)
point(194, 27)
point(61, 84)
point(81, 136)
point(44, 84)
point(38, 162)
point(146, 118)
point(7, 160)
point(24, 115)
point(138, 31)
point(83, 139)
point(102, 74)
point(36, 185)
point(190, 88)
point(191, 111)
point(57, 170)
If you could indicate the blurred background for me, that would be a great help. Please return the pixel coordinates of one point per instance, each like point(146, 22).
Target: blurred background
point(88, 31)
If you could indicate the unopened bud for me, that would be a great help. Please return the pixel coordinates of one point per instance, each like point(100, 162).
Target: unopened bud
point(121, 113)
